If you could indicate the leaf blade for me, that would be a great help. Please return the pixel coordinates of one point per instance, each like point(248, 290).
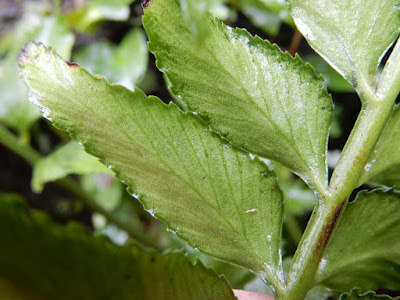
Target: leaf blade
point(255, 96)
point(75, 265)
point(372, 260)
point(168, 159)
point(352, 36)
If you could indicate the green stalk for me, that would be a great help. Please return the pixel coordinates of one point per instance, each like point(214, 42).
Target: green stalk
point(31, 156)
point(311, 249)
point(361, 143)
point(10, 141)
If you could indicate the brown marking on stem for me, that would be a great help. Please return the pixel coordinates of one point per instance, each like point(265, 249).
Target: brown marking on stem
point(295, 43)
point(328, 228)
point(72, 64)
point(145, 3)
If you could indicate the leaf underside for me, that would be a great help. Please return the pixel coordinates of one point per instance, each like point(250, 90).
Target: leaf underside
point(210, 194)
point(40, 260)
point(365, 249)
point(255, 96)
point(351, 35)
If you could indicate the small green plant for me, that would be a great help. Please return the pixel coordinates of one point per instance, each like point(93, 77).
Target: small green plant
point(197, 166)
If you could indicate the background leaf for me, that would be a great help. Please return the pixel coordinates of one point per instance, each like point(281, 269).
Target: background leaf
point(91, 13)
point(383, 165)
point(351, 35)
point(267, 15)
point(336, 83)
point(75, 265)
point(365, 248)
point(68, 159)
point(15, 110)
point(298, 196)
point(255, 96)
point(236, 276)
point(124, 64)
point(210, 194)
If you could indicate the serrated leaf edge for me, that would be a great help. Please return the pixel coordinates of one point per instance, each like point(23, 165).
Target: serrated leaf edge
point(92, 151)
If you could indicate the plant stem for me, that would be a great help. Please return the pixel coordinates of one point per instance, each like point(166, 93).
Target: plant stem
point(31, 156)
point(361, 143)
point(311, 249)
point(295, 43)
point(10, 141)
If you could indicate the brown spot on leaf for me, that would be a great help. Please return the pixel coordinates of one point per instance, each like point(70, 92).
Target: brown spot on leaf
point(22, 57)
point(145, 3)
point(72, 64)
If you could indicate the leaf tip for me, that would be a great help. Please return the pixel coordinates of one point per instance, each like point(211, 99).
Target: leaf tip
point(27, 52)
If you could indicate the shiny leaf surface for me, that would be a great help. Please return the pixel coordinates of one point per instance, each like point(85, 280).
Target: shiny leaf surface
point(252, 94)
point(351, 35)
point(210, 194)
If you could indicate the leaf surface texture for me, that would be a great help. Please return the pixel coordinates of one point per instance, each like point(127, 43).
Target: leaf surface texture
point(210, 194)
point(260, 99)
point(351, 35)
